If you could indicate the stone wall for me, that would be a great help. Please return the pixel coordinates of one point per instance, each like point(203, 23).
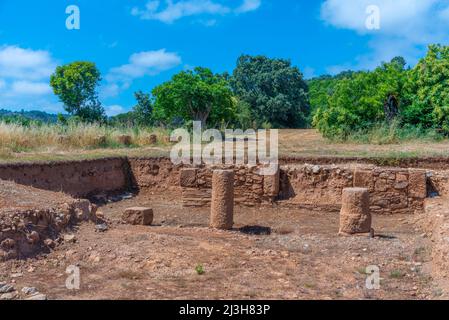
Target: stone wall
point(392, 191)
point(250, 188)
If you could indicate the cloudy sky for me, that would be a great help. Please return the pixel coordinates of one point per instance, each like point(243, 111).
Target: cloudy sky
point(139, 44)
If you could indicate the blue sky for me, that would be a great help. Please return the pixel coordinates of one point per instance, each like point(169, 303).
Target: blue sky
point(139, 44)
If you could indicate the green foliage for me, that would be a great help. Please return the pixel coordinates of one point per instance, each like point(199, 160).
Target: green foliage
point(198, 95)
point(417, 99)
point(124, 120)
point(243, 117)
point(429, 85)
point(199, 269)
point(274, 90)
point(357, 102)
point(75, 84)
point(143, 111)
point(62, 120)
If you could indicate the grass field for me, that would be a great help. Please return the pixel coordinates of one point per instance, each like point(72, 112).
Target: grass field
point(295, 143)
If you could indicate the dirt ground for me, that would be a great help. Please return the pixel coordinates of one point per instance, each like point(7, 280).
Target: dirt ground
point(297, 256)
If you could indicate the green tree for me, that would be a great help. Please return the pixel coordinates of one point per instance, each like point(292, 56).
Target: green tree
point(274, 90)
point(198, 95)
point(361, 101)
point(429, 86)
point(75, 84)
point(143, 111)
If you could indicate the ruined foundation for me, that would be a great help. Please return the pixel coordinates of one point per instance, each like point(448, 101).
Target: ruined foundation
point(222, 208)
point(355, 216)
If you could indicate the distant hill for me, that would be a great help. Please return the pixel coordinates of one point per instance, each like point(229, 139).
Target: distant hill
point(32, 115)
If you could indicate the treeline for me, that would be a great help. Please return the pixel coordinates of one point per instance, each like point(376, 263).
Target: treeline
point(27, 117)
point(391, 96)
point(261, 92)
point(271, 93)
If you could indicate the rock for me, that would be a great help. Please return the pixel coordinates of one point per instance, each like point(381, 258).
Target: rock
point(100, 140)
point(138, 216)
point(16, 275)
point(8, 296)
point(316, 169)
point(8, 244)
point(124, 139)
point(127, 196)
point(50, 243)
point(83, 210)
point(33, 237)
point(6, 288)
point(69, 238)
point(29, 291)
point(188, 178)
point(152, 139)
point(38, 297)
point(102, 227)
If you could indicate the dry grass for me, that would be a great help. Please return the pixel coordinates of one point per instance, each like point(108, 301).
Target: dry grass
point(16, 138)
point(311, 143)
point(52, 143)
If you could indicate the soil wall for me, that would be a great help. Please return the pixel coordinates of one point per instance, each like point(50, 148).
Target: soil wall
point(76, 178)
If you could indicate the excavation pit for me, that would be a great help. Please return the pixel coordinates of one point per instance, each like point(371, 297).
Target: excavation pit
point(282, 246)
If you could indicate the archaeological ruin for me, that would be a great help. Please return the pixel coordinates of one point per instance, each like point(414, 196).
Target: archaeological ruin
point(39, 202)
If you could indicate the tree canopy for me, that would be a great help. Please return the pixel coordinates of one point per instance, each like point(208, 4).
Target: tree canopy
point(361, 99)
point(198, 95)
point(75, 84)
point(274, 90)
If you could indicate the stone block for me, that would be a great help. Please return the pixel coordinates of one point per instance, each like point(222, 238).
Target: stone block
point(417, 184)
point(355, 215)
point(138, 216)
point(188, 178)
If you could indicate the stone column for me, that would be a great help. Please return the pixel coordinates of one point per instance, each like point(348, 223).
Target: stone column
point(355, 216)
point(222, 208)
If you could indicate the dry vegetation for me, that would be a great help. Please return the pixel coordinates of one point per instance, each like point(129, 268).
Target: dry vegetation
point(51, 142)
point(85, 141)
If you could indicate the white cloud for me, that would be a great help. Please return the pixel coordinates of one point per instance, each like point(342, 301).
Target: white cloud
point(24, 78)
point(19, 63)
point(145, 63)
point(406, 27)
point(248, 6)
point(30, 88)
point(114, 110)
point(173, 11)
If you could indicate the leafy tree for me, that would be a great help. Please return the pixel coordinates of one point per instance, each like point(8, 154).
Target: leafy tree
point(429, 86)
point(143, 111)
point(75, 85)
point(198, 95)
point(127, 119)
point(321, 88)
point(361, 101)
point(274, 90)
